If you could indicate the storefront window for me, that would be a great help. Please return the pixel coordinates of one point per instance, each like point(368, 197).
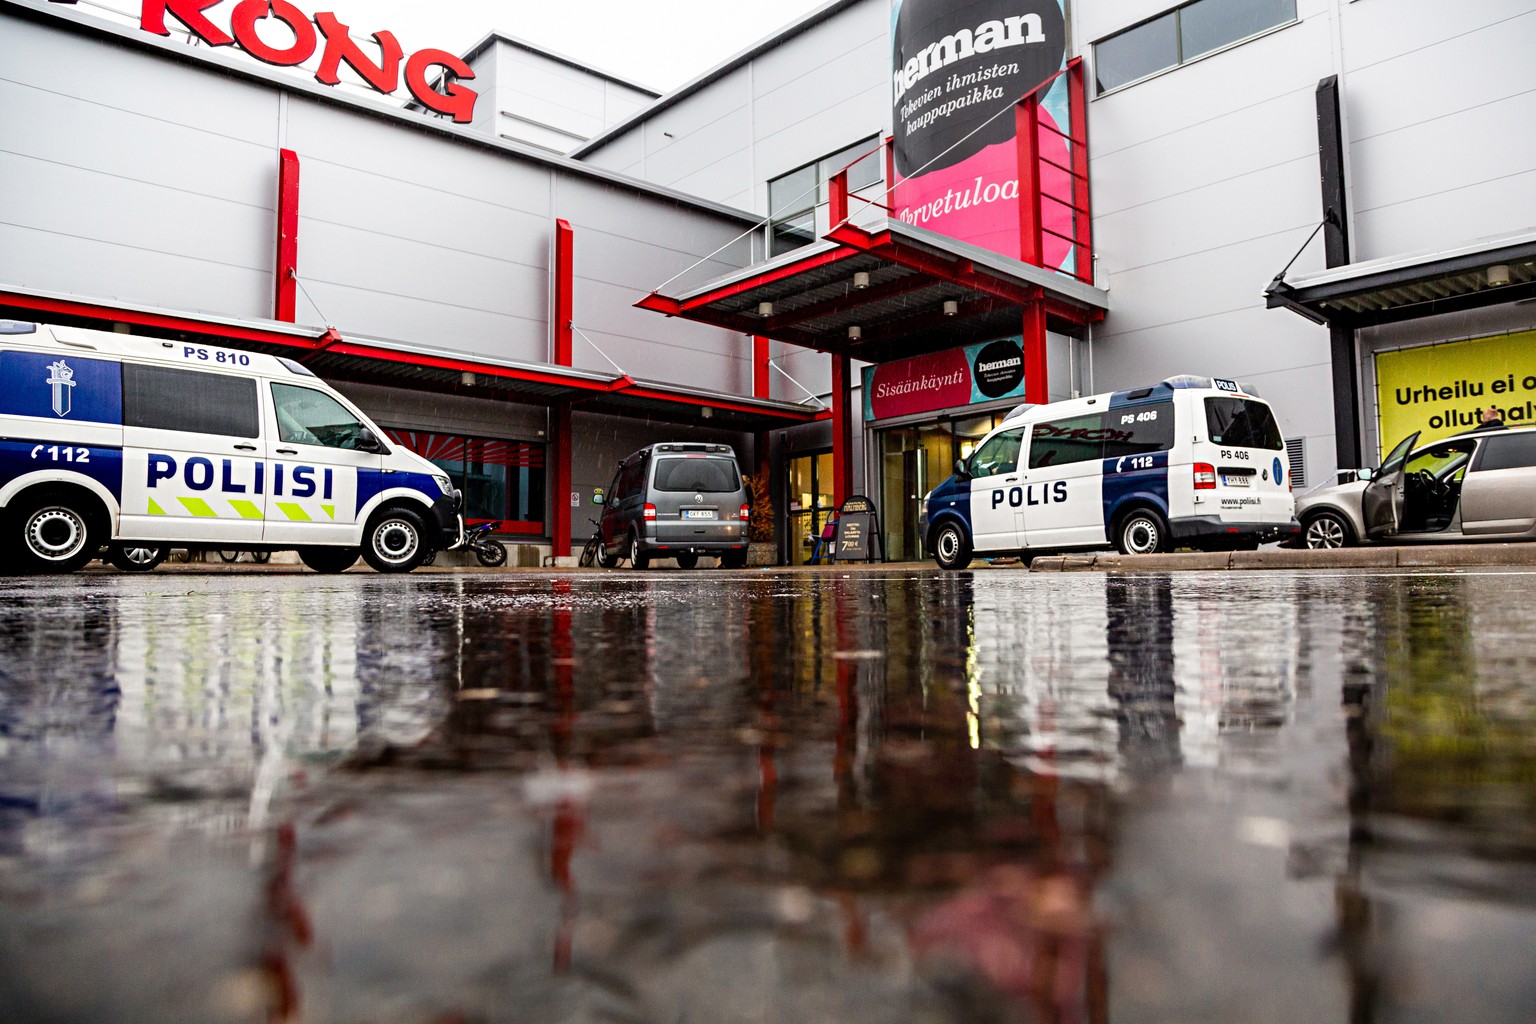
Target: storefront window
point(810, 503)
point(500, 479)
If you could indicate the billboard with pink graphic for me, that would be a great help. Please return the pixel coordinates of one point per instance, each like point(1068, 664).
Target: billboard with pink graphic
point(959, 67)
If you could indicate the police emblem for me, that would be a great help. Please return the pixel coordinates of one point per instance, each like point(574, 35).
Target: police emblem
point(62, 379)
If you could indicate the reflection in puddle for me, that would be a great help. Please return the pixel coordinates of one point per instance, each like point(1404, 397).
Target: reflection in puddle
point(881, 796)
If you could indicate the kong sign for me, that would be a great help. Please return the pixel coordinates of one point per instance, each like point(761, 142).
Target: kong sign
point(328, 37)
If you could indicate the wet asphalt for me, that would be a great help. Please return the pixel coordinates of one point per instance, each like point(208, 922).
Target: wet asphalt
point(889, 795)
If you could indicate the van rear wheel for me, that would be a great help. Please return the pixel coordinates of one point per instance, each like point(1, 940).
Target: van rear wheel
point(687, 560)
point(637, 557)
point(55, 535)
point(1142, 532)
point(328, 560)
point(396, 541)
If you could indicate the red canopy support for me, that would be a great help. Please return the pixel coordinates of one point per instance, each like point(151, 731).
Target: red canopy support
point(842, 429)
point(286, 300)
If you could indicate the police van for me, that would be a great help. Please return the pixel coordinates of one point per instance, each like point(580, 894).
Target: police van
point(136, 442)
point(1192, 461)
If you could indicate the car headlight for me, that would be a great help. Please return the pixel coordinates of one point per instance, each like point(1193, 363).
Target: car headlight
point(443, 483)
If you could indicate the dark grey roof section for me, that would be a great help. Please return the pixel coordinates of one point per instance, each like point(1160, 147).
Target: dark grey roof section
point(212, 60)
point(682, 92)
point(544, 51)
point(1486, 273)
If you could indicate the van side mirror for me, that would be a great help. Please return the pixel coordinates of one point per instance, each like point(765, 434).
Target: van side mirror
point(962, 470)
point(1365, 475)
point(368, 441)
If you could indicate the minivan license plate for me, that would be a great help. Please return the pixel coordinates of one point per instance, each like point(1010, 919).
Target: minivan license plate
point(1235, 480)
point(698, 513)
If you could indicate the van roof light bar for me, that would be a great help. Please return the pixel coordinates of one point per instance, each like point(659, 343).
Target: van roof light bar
point(17, 327)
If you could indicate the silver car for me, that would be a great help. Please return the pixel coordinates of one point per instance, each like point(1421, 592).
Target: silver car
point(1474, 486)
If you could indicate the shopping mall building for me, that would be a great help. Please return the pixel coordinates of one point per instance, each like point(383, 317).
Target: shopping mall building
point(846, 251)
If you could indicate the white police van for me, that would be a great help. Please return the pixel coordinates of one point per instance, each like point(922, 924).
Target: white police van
point(1193, 461)
point(136, 442)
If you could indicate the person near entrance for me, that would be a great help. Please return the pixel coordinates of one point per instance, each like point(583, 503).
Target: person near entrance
point(1489, 419)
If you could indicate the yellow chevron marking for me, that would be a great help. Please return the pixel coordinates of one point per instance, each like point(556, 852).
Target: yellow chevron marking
point(294, 512)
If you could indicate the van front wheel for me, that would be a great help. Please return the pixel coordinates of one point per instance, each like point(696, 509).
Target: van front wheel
point(951, 547)
point(1142, 532)
point(396, 541)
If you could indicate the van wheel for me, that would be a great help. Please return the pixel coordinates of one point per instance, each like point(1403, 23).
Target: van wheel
point(328, 560)
point(1142, 532)
point(136, 557)
point(687, 561)
point(637, 557)
point(951, 547)
point(604, 559)
point(396, 541)
point(1327, 530)
point(733, 560)
point(55, 535)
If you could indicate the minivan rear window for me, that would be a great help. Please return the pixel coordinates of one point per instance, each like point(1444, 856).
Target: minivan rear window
point(1242, 423)
point(696, 474)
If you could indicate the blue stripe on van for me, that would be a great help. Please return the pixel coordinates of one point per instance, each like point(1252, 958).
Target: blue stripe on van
point(61, 387)
point(1123, 483)
point(373, 482)
point(104, 465)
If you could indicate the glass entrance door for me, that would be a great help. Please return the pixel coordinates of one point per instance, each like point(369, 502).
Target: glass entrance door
point(810, 503)
point(913, 461)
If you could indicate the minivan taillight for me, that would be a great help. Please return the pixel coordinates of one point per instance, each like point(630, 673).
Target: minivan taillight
point(649, 512)
point(746, 512)
point(1205, 476)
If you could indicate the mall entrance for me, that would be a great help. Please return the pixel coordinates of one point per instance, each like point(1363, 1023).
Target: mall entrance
point(915, 459)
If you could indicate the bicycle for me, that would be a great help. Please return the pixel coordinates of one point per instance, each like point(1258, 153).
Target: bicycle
point(593, 553)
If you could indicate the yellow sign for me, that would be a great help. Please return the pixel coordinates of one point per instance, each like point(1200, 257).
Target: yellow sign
point(1439, 389)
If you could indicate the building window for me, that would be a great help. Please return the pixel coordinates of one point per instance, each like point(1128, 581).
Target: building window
point(793, 197)
point(500, 479)
point(1181, 35)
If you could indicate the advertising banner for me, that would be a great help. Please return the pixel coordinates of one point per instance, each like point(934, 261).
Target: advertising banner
point(958, 69)
point(945, 380)
point(1440, 388)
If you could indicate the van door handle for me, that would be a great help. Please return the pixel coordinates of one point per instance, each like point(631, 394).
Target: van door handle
point(287, 451)
point(245, 447)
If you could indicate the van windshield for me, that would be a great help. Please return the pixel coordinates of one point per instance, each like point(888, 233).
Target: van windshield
point(1242, 423)
point(697, 474)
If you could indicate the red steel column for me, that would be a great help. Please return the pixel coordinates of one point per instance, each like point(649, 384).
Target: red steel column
point(1027, 122)
point(1037, 381)
point(563, 344)
point(560, 482)
point(1082, 219)
point(842, 430)
point(565, 293)
point(285, 306)
point(762, 385)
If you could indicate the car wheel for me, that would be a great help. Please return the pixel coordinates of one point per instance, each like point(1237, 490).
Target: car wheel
point(687, 561)
point(951, 547)
point(55, 535)
point(1327, 530)
point(604, 559)
point(1142, 532)
point(396, 541)
point(733, 560)
point(136, 557)
point(637, 556)
point(328, 560)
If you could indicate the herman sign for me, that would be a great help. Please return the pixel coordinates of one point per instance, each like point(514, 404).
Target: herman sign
point(329, 37)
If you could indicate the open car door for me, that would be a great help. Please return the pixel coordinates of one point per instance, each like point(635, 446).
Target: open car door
point(1381, 503)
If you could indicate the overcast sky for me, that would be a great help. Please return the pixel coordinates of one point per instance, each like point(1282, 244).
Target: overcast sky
point(658, 43)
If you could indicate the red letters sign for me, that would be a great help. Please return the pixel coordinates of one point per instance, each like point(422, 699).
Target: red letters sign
point(455, 99)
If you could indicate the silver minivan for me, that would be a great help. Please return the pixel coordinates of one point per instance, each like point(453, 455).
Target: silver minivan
point(676, 500)
point(1475, 486)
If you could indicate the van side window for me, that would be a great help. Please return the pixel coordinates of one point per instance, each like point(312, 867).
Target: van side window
point(999, 455)
point(1138, 430)
point(1240, 423)
point(1065, 441)
point(630, 479)
point(1508, 451)
point(162, 398)
point(305, 416)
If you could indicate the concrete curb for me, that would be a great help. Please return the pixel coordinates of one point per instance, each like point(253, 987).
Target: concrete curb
point(1442, 556)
